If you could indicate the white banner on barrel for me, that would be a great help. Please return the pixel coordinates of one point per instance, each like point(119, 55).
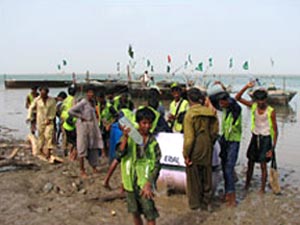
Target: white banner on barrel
point(171, 146)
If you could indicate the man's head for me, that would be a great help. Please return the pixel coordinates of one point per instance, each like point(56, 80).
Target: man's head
point(224, 99)
point(44, 91)
point(124, 98)
point(34, 89)
point(145, 117)
point(196, 96)
point(260, 96)
point(101, 97)
point(176, 91)
point(153, 102)
point(72, 90)
point(90, 93)
point(61, 96)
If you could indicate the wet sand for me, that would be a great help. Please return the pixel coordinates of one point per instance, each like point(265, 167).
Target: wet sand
point(55, 194)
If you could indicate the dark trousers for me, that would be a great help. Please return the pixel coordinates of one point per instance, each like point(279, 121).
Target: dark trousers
point(199, 186)
point(229, 155)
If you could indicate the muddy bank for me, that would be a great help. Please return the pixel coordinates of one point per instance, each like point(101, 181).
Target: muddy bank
point(55, 194)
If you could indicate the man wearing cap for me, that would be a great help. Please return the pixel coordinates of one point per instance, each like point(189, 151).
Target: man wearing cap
point(45, 114)
point(177, 109)
point(264, 132)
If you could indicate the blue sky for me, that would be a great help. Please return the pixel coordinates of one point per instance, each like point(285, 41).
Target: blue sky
point(94, 35)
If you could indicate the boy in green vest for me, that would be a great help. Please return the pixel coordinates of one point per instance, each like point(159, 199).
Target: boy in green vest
point(140, 166)
point(264, 133)
point(177, 109)
point(230, 143)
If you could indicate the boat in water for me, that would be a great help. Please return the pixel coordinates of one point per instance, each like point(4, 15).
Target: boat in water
point(135, 88)
point(278, 96)
point(14, 83)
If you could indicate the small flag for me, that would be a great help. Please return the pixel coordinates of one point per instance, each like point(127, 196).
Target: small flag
point(169, 59)
point(272, 62)
point(148, 63)
point(64, 62)
point(190, 59)
point(168, 69)
point(130, 52)
point(186, 64)
point(152, 68)
point(246, 66)
point(210, 60)
point(58, 66)
point(118, 66)
point(199, 67)
point(230, 62)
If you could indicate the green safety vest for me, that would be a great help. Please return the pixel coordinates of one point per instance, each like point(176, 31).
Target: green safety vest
point(67, 105)
point(128, 114)
point(231, 132)
point(132, 168)
point(269, 115)
point(105, 114)
point(183, 107)
point(30, 97)
point(116, 102)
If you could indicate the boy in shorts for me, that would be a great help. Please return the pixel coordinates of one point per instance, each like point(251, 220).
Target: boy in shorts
point(140, 166)
point(264, 133)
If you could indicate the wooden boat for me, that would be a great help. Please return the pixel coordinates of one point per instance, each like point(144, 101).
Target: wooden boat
point(277, 96)
point(135, 88)
point(13, 83)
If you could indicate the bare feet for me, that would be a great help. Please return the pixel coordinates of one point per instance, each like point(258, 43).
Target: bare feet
point(95, 170)
point(261, 192)
point(83, 174)
point(106, 185)
point(73, 155)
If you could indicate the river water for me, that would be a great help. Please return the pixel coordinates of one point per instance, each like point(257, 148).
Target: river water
point(13, 115)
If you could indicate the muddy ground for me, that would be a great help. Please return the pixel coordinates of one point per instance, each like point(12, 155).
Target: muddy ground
point(35, 192)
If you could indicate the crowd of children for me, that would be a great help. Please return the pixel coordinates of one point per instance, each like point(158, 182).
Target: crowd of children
point(90, 125)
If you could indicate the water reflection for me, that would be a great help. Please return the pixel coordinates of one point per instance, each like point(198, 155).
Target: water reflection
point(285, 114)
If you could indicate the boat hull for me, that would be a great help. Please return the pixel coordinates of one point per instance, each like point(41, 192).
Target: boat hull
point(278, 97)
point(36, 83)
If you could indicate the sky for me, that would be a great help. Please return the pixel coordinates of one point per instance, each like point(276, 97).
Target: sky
point(36, 35)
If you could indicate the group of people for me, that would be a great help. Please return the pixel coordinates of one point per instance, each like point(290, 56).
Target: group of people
point(90, 127)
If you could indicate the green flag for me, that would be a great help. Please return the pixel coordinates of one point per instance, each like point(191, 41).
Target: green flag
point(64, 62)
point(130, 52)
point(210, 60)
point(272, 62)
point(246, 66)
point(152, 68)
point(230, 62)
point(190, 59)
point(148, 63)
point(199, 67)
point(186, 64)
point(168, 69)
point(58, 67)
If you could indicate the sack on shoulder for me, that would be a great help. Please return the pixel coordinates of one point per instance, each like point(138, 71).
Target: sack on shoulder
point(274, 177)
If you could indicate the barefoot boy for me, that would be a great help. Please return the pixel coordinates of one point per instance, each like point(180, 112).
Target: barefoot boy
point(264, 133)
point(140, 168)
